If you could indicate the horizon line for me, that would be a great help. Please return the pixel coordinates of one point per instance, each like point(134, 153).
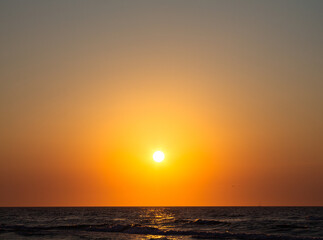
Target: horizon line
point(160, 206)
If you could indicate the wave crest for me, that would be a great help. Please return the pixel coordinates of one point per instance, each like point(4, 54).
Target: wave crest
point(146, 230)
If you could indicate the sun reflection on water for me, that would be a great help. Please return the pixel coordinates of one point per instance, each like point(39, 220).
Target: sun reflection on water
point(160, 218)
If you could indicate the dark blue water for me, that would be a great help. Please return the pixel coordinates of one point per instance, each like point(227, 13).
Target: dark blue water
point(162, 223)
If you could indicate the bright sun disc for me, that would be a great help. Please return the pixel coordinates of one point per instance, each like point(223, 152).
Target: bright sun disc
point(158, 156)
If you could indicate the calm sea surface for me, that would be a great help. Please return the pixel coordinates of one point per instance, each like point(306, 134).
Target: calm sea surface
point(162, 223)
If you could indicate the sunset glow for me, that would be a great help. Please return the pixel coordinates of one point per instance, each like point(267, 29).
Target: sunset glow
point(161, 103)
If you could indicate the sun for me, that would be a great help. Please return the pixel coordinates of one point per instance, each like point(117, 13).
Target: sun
point(158, 156)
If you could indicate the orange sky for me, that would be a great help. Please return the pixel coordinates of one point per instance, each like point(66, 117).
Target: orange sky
point(229, 91)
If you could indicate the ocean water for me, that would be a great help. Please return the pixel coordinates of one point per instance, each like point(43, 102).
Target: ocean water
point(162, 223)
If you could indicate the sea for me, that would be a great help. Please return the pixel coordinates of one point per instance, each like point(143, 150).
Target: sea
point(233, 223)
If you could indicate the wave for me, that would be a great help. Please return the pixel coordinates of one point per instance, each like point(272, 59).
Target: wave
point(207, 222)
point(144, 230)
point(191, 222)
point(314, 218)
point(288, 226)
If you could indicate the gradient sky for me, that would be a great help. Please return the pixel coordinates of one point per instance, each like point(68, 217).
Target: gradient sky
point(230, 91)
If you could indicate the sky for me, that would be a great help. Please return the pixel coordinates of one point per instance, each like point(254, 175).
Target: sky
point(230, 91)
